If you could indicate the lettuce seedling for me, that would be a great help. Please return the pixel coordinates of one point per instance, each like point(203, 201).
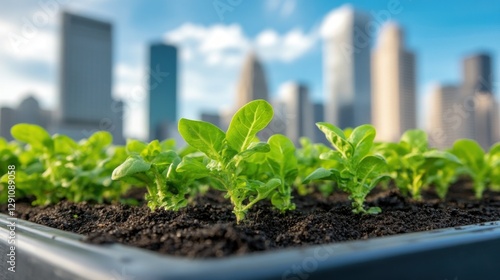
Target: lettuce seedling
point(413, 166)
point(229, 155)
point(493, 158)
point(308, 158)
point(154, 166)
point(482, 168)
point(358, 171)
point(56, 167)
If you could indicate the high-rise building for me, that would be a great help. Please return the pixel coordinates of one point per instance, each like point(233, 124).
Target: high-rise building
point(393, 85)
point(162, 90)
point(445, 123)
point(478, 100)
point(86, 104)
point(299, 111)
point(348, 40)
point(252, 84)
point(28, 111)
point(477, 76)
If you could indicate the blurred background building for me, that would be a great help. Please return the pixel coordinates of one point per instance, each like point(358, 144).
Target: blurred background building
point(86, 60)
point(347, 67)
point(393, 79)
point(162, 91)
point(360, 84)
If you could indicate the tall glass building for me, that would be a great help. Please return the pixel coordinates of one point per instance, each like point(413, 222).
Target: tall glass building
point(162, 90)
point(348, 39)
point(86, 104)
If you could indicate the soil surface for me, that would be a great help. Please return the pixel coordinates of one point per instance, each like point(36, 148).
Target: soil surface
point(207, 228)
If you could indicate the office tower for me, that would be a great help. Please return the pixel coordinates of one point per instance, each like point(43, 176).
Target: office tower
point(477, 76)
point(252, 84)
point(299, 111)
point(446, 121)
point(86, 104)
point(28, 111)
point(162, 90)
point(478, 100)
point(393, 85)
point(347, 67)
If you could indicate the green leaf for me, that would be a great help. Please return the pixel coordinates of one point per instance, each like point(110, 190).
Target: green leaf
point(436, 154)
point(165, 158)
point(283, 153)
point(336, 137)
point(32, 134)
point(100, 139)
point(417, 139)
point(255, 147)
point(471, 154)
point(362, 140)
point(132, 165)
point(64, 145)
point(371, 167)
point(322, 174)
point(203, 136)
point(247, 122)
point(194, 167)
point(135, 146)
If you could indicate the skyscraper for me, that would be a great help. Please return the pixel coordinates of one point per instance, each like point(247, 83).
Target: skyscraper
point(86, 104)
point(299, 111)
point(28, 111)
point(162, 90)
point(252, 84)
point(347, 45)
point(393, 82)
point(445, 121)
point(478, 99)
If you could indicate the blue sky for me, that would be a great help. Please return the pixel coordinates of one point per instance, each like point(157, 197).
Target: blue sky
point(285, 33)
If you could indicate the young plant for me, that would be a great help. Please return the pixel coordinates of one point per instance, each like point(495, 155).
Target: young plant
point(482, 168)
point(154, 166)
point(229, 153)
point(52, 168)
point(308, 158)
point(413, 166)
point(358, 171)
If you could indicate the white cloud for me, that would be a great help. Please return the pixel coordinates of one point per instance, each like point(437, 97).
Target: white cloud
point(287, 47)
point(212, 57)
point(284, 7)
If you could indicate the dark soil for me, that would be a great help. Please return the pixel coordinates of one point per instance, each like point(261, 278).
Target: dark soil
point(207, 228)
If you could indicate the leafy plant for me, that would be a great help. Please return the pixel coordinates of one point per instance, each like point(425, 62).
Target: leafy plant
point(230, 152)
point(52, 168)
point(156, 167)
point(308, 158)
point(358, 171)
point(413, 165)
point(482, 168)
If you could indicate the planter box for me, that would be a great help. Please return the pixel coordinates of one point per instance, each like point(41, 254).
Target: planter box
point(469, 252)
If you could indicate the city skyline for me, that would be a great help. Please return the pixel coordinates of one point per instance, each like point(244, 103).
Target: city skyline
point(294, 66)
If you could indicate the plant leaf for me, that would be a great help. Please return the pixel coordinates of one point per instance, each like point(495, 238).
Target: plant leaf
point(417, 139)
point(471, 154)
point(255, 147)
point(247, 122)
point(203, 136)
point(336, 137)
point(362, 140)
point(132, 165)
point(322, 174)
point(371, 167)
point(32, 134)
